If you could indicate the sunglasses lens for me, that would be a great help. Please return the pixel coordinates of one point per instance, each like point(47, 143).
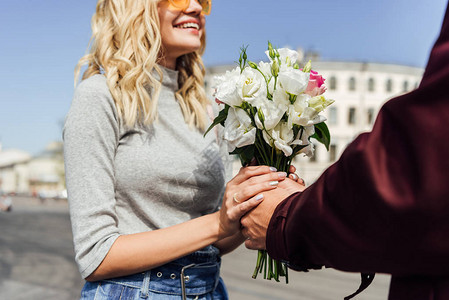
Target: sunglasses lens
point(207, 5)
point(183, 4)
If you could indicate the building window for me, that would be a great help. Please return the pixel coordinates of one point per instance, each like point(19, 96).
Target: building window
point(370, 116)
point(389, 86)
point(405, 86)
point(351, 116)
point(332, 153)
point(352, 84)
point(333, 83)
point(371, 85)
point(333, 116)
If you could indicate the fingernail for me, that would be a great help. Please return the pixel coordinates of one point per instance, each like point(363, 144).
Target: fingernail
point(274, 183)
point(259, 197)
point(273, 169)
point(282, 175)
point(294, 177)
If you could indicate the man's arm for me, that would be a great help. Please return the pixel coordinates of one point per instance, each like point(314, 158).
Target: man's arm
point(383, 206)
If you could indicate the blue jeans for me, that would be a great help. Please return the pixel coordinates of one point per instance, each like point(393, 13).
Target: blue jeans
point(200, 270)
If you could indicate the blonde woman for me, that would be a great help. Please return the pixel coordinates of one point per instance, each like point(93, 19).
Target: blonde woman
point(144, 186)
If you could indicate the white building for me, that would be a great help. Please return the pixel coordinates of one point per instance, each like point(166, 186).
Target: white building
point(46, 172)
point(359, 91)
point(14, 171)
point(43, 174)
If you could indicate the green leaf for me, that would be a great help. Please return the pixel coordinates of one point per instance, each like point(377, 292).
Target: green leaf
point(297, 148)
point(296, 129)
point(222, 115)
point(322, 134)
point(245, 153)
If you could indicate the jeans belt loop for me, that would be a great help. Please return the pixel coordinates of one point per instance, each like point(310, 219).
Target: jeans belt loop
point(144, 292)
point(183, 282)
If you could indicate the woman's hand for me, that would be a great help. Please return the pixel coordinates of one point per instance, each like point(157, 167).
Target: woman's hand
point(292, 175)
point(243, 193)
point(291, 172)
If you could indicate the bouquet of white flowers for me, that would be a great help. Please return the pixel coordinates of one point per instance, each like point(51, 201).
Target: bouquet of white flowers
point(271, 112)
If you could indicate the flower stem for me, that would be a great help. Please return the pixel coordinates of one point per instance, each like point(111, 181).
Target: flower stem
point(258, 264)
point(270, 268)
point(276, 270)
point(267, 154)
point(265, 265)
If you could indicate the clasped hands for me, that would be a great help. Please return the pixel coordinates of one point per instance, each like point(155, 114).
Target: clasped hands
point(251, 198)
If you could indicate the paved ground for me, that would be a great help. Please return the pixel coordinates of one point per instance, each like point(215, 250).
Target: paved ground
point(36, 262)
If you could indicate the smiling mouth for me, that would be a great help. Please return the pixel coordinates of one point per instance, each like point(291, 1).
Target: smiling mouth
point(188, 25)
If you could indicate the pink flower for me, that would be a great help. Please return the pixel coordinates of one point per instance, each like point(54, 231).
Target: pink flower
point(316, 84)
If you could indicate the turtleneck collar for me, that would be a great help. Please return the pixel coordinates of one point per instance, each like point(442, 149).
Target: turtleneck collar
point(169, 78)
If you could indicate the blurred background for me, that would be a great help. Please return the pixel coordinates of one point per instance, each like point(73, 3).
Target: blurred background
point(369, 52)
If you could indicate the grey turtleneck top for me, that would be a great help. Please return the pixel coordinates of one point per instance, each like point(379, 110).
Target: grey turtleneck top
point(123, 181)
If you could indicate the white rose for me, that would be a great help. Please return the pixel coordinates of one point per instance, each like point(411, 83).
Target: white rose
point(308, 150)
point(293, 81)
point(301, 113)
point(281, 137)
point(227, 91)
point(252, 86)
point(303, 139)
point(265, 68)
point(310, 116)
point(296, 110)
point(287, 56)
point(272, 113)
point(319, 103)
point(238, 131)
point(281, 97)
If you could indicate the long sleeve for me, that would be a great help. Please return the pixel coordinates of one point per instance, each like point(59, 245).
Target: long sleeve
point(384, 205)
point(91, 134)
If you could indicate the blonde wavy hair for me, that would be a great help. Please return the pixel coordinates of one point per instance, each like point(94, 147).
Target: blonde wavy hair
point(126, 47)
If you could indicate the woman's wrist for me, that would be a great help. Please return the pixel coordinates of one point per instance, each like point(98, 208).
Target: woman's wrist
point(225, 226)
point(230, 243)
point(219, 227)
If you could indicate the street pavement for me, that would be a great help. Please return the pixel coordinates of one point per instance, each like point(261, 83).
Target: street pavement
point(36, 262)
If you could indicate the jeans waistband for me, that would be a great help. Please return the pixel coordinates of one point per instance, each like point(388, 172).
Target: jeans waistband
point(200, 272)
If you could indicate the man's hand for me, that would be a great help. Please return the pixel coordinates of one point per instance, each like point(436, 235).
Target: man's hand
point(255, 223)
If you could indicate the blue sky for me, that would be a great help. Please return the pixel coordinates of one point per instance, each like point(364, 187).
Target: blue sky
point(42, 40)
